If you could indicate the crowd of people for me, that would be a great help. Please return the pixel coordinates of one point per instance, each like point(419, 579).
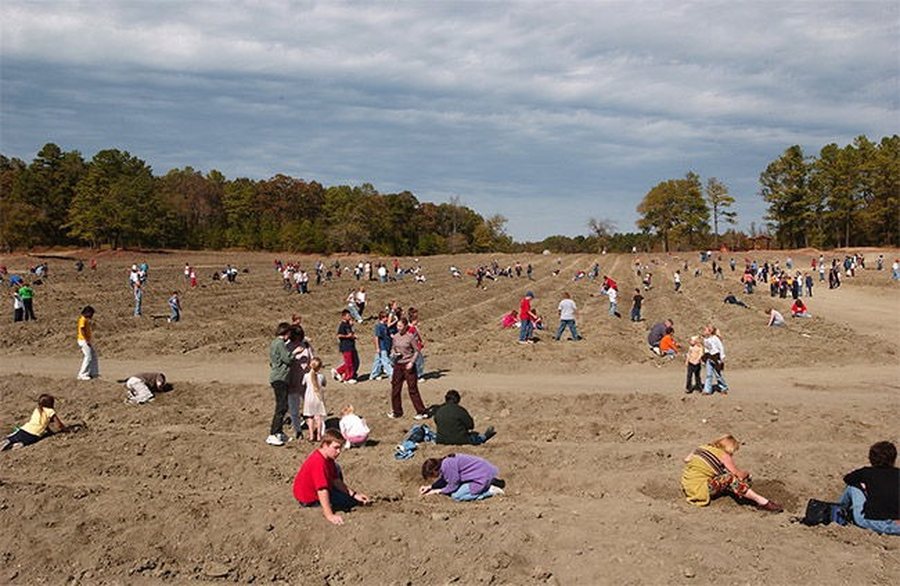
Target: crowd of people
point(297, 376)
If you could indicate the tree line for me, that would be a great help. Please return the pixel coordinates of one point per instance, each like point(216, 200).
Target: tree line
point(115, 200)
point(847, 196)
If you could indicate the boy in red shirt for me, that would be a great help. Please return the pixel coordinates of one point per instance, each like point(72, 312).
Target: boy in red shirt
point(319, 481)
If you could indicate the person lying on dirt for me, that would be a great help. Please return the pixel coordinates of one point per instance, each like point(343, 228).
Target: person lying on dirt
point(319, 482)
point(38, 427)
point(710, 471)
point(139, 386)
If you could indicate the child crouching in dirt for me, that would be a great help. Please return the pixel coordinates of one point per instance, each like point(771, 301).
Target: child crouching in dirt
point(42, 418)
point(353, 428)
point(710, 471)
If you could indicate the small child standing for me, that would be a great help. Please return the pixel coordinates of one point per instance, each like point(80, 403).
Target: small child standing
point(693, 360)
point(174, 307)
point(34, 431)
point(353, 428)
point(314, 400)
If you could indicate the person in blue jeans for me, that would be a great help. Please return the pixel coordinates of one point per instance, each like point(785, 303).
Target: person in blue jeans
point(382, 363)
point(526, 319)
point(567, 312)
point(461, 477)
point(873, 492)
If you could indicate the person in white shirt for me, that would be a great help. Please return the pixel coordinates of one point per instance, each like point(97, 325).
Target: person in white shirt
point(567, 312)
point(715, 361)
point(613, 295)
point(776, 320)
point(353, 428)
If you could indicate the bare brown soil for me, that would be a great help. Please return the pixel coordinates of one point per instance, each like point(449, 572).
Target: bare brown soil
point(591, 434)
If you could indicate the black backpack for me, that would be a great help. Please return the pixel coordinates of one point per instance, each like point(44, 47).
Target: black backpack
point(824, 513)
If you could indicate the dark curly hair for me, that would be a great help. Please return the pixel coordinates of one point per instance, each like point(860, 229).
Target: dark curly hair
point(883, 455)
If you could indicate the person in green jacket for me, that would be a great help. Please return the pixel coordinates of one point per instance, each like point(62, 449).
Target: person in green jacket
point(280, 359)
point(26, 294)
point(454, 424)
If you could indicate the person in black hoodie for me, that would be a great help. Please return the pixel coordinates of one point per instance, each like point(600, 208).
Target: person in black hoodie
point(454, 424)
point(873, 492)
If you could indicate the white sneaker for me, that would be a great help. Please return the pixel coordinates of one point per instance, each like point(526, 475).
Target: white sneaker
point(335, 375)
point(420, 416)
point(495, 490)
point(274, 440)
point(350, 381)
point(82, 377)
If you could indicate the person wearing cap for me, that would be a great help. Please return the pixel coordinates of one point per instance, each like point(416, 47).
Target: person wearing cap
point(526, 319)
point(139, 386)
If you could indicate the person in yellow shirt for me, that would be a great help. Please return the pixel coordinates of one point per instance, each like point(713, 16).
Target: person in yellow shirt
point(710, 471)
point(34, 431)
point(89, 366)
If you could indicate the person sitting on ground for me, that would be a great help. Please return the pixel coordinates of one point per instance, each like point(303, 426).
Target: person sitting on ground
point(873, 492)
point(461, 477)
point(454, 424)
point(798, 309)
point(139, 386)
point(353, 428)
point(776, 320)
point(710, 471)
point(37, 427)
point(319, 481)
point(668, 346)
point(732, 300)
point(510, 320)
point(656, 334)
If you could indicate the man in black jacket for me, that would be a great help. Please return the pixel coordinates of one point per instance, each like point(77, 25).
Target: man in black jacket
point(454, 424)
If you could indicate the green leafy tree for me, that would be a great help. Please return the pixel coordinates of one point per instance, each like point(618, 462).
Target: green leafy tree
point(792, 206)
point(115, 202)
point(720, 202)
point(17, 218)
point(675, 209)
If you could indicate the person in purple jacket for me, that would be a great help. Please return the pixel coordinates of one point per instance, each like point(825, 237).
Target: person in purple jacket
point(461, 477)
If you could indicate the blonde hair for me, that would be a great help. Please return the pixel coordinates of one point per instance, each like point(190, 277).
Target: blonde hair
point(315, 365)
point(727, 443)
point(347, 410)
point(695, 340)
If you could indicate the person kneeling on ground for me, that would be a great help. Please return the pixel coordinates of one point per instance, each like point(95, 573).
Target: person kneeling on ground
point(454, 424)
point(319, 481)
point(798, 309)
point(461, 477)
point(776, 320)
point(873, 492)
point(139, 386)
point(710, 471)
point(37, 427)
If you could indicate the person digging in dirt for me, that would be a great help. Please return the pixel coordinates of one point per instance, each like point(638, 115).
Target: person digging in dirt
point(461, 477)
point(319, 482)
point(710, 471)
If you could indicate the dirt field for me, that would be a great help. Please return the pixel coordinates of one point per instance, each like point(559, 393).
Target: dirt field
point(591, 434)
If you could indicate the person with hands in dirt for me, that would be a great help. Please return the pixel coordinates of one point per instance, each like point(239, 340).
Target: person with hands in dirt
point(710, 471)
point(319, 482)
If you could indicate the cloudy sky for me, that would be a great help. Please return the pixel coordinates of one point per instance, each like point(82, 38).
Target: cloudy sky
point(546, 112)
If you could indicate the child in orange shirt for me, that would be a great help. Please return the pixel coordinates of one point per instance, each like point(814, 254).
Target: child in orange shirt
point(668, 346)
